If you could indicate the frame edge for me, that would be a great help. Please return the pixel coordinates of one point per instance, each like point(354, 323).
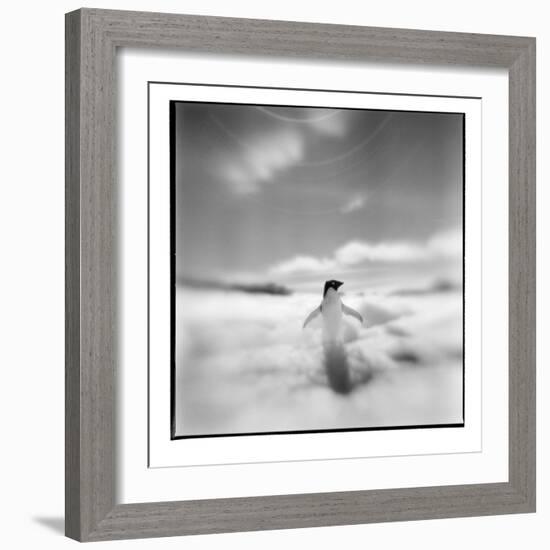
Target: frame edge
point(522, 274)
point(72, 275)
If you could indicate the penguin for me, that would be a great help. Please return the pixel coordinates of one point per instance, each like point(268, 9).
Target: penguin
point(332, 308)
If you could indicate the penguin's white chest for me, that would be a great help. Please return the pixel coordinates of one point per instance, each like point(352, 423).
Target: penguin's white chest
point(332, 315)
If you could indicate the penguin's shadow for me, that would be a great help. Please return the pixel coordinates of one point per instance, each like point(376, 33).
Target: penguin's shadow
point(337, 369)
point(336, 373)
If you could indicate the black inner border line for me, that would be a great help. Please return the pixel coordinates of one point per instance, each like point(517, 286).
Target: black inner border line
point(172, 145)
point(172, 125)
point(463, 268)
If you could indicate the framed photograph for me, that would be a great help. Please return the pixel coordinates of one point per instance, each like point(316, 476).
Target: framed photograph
point(300, 275)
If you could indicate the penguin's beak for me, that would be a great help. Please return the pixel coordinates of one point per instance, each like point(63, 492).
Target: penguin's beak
point(338, 284)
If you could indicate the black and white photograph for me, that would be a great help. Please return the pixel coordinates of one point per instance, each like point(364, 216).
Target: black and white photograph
point(317, 259)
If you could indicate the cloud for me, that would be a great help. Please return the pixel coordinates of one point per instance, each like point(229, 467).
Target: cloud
point(448, 243)
point(303, 264)
point(357, 252)
point(281, 145)
point(261, 160)
point(357, 202)
point(329, 122)
point(444, 245)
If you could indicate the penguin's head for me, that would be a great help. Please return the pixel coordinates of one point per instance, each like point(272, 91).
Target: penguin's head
point(332, 284)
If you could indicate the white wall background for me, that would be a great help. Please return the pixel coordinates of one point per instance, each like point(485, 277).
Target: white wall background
point(31, 251)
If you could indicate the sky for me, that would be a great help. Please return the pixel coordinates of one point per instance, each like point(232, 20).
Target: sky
point(298, 195)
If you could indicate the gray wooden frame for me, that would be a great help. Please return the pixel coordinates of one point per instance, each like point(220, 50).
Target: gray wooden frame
point(92, 38)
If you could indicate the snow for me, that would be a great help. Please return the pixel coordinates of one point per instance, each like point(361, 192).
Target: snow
point(244, 364)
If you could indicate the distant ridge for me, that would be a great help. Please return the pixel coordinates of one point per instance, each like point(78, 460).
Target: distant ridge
point(251, 288)
point(439, 286)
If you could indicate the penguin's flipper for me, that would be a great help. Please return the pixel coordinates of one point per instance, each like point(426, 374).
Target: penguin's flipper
point(352, 313)
point(312, 316)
